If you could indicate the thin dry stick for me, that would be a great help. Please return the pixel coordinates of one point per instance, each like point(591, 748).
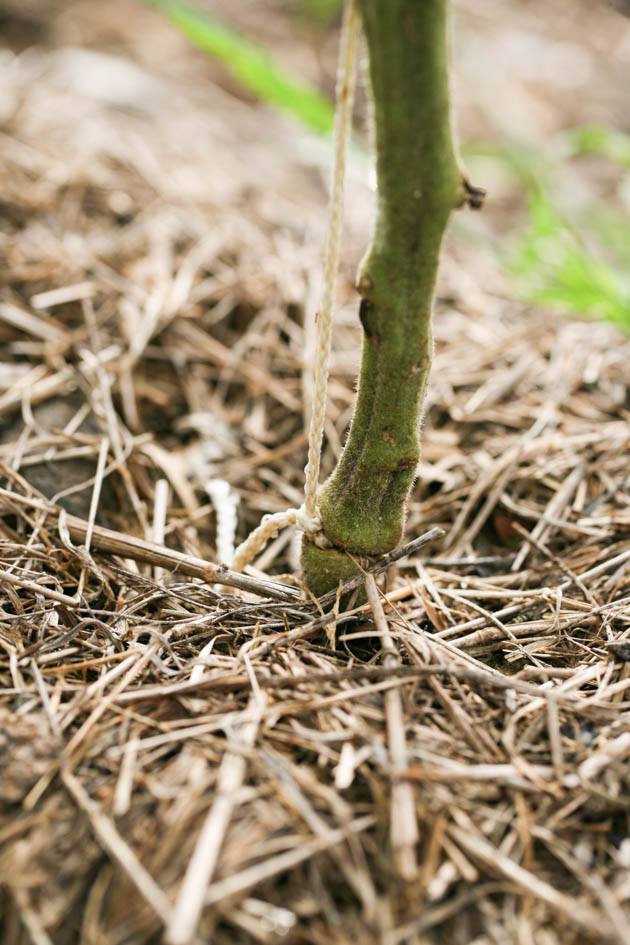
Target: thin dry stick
point(187, 912)
point(231, 682)
point(128, 546)
point(124, 784)
point(482, 850)
point(40, 388)
point(96, 494)
point(403, 819)
point(284, 862)
point(37, 589)
point(105, 830)
point(30, 918)
point(30, 323)
point(160, 509)
point(137, 665)
point(106, 700)
point(381, 564)
point(558, 502)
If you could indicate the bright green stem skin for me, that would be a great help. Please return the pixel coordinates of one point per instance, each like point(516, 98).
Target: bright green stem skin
point(419, 184)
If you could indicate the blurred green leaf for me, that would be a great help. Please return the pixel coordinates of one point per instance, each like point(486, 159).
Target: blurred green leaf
point(596, 139)
point(556, 268)
point(251, 64)
point(577, 261)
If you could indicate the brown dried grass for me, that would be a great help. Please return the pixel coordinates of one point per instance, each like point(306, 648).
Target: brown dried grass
point(455, 767)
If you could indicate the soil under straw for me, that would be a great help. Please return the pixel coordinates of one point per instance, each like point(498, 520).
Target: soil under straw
point(455, 768)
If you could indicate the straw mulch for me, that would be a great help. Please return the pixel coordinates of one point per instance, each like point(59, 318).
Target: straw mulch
point(446, 762)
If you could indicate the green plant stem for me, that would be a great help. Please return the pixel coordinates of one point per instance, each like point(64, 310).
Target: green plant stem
point(419, 184)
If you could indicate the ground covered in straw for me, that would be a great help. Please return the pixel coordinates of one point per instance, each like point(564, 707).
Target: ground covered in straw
point(445, 763)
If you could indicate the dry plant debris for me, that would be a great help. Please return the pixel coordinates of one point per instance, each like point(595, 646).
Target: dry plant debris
point(251, 767)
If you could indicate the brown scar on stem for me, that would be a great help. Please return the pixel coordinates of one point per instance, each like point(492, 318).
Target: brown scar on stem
point(410, 463)
point(364, 311)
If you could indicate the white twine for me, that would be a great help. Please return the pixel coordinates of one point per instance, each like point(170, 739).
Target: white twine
point(307, 518)
point(225, 503)
point(269, 528)
point(346, 81)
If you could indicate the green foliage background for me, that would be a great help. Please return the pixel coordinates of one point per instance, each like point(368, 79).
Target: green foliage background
point(251, 64)
point(578, 263)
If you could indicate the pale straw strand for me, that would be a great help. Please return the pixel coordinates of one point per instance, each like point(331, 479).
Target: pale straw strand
point(225, 502)
point(307, 517)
